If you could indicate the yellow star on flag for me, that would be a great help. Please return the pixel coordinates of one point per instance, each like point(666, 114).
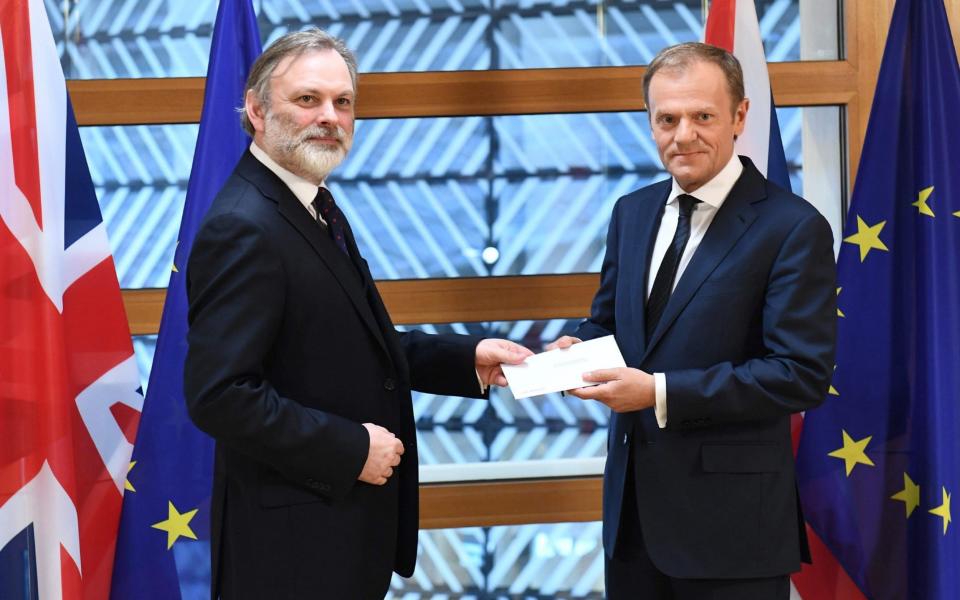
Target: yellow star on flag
point(943, 511)
point(175, 269)
point(833, 391)
point(909, 495)
point(867, 237)
point(921, 202)
point(176, 525)
point(853, 452)
point(126, 484)
point(839, 312)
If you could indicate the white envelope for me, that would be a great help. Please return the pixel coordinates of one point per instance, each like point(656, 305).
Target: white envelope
point(559, 370)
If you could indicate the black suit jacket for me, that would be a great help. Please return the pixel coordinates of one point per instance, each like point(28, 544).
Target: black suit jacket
point(290, 351)
point(746, 340)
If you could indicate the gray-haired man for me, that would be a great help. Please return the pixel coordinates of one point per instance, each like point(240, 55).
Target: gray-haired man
point(294, 366)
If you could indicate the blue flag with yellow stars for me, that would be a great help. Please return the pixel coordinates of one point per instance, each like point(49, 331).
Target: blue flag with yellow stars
point(163, 548)
point(879, 462)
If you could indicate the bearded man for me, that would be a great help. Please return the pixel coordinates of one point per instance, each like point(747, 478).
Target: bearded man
point(294, 366)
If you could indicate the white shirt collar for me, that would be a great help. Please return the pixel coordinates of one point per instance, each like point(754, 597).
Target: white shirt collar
point(715, 191)
point(304, 190)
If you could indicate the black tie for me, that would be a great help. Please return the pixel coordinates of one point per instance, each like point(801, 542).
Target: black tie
point(663, 284)
point(328, 209)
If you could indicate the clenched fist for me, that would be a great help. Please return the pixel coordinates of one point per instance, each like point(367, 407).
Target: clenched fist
point(384, 454)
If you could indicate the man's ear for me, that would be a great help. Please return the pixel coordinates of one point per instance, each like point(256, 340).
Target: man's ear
point(740, 117)
point(255, 112)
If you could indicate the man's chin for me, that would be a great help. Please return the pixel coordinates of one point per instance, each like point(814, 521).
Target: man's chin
point(320, 168)
point(685, 175)
point(688, 161)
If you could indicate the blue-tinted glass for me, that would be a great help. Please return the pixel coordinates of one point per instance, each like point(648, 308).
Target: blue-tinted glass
point(140, 174)
point(144, 347)
point(426, 197)
point(171, 38)
point(563, 560)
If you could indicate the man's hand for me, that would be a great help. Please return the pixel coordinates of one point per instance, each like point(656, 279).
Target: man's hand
point(562, 342)
point(622, 389)
point(383, 456)
point(491, 353)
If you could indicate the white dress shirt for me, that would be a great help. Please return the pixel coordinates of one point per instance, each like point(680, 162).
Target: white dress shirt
point(304, 190)
point(711, 195)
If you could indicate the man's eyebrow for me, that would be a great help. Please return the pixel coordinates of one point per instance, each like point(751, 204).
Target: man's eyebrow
point(312, 91)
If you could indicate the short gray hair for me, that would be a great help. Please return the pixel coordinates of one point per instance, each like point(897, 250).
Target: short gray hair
point(291, 44)
point(681, 56)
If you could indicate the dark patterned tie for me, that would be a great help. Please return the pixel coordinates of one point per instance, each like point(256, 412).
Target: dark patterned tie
point(336, 222)
point(663, 284)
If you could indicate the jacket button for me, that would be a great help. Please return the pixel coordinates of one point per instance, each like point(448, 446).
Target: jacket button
point(389, 385)
point(313, 483)
point(625, 439)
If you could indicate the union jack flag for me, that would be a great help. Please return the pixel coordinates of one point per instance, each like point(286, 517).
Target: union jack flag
point(69, 397)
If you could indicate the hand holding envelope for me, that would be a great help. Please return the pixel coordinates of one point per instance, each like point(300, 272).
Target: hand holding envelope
point(562, 369)
point(591, 363)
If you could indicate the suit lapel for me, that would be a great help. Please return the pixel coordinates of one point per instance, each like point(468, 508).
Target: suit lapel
point(293, 211)
point(731, 222)
point(376, 304)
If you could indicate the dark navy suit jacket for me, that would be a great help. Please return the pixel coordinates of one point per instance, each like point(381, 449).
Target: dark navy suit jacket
point(290, 351)
point(746, 340)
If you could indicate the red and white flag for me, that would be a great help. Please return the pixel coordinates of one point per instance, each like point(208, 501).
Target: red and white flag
point(69, 387)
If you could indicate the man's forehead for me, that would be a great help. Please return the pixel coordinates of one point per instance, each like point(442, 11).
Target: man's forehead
point(701, 88)
point(325, 57)
point(705, 70)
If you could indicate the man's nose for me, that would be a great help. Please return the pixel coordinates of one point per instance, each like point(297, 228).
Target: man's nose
point(686, 131)
point(326, 113)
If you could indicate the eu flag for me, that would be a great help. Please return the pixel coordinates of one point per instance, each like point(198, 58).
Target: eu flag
point(163, 550)
point(879, 463)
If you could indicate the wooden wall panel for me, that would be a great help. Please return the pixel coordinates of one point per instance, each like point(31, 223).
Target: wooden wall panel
point(418, 301)
point(510, 503)
point(455, 93)
point(137, 101)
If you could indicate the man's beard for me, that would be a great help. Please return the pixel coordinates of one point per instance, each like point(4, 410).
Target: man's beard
point(292, 150)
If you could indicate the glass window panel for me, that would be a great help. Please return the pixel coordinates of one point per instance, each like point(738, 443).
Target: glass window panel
point(144, 347)
point(140, 174)
point(427, 197)
point(561, 560)
point(171, 38)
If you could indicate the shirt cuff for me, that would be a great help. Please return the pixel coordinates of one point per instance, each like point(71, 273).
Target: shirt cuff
point(483, 386)
point(660, 398)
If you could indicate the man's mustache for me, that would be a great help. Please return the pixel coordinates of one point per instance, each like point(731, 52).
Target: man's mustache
point(336, 133)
